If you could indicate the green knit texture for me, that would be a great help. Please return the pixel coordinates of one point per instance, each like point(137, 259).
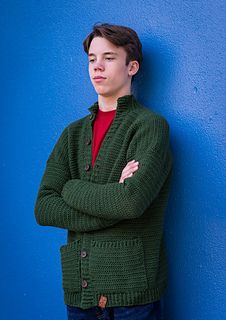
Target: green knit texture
point(118, 225)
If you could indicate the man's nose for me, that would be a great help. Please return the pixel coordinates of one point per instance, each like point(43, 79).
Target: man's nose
point(98, 65)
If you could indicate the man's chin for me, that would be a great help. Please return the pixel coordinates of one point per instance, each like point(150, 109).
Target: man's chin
point(103, 93)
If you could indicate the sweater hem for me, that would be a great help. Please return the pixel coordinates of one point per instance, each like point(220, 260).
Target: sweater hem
point(75, 299)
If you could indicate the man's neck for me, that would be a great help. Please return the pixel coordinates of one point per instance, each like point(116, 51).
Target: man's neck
point(109, 103)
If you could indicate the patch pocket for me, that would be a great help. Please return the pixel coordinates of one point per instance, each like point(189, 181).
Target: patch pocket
point(70, 264)
point(118, 266)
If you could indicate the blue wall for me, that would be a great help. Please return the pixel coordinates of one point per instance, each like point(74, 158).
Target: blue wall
point(44, 86)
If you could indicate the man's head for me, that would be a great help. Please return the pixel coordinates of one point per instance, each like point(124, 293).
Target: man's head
point(120, 36)
point(115, 54)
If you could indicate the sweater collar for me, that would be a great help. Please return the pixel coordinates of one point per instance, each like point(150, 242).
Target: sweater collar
point(124, 103)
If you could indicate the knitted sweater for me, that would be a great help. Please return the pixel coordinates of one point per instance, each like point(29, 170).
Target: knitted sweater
point(115, 230)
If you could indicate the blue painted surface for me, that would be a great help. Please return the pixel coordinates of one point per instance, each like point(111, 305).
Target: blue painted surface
point(44, 86)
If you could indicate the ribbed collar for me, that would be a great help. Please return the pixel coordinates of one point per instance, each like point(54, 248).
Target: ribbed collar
point(123, 103)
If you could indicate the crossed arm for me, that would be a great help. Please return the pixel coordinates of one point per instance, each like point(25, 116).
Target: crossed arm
point(52, 210)
point(85, 206)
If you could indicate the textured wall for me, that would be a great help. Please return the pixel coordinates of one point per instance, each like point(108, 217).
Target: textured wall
point(44, 86)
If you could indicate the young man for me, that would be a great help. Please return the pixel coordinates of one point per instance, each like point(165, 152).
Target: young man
point(107, 182)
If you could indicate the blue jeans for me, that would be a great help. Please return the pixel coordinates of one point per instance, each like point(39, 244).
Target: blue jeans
point(149, 311)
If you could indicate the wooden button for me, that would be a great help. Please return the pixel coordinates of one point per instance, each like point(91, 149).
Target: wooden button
point(83, 254)
point(84, 284)
point(88, 141)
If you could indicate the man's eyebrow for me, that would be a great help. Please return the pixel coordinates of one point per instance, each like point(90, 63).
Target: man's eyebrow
point(105, 53)
point(110, 52)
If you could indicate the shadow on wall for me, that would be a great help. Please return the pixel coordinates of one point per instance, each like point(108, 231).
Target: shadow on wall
point(152, 87)
point(154, 80)
point(193, 234)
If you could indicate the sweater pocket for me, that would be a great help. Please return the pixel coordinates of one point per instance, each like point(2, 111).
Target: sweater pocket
point(118, 266)
point(70, 266)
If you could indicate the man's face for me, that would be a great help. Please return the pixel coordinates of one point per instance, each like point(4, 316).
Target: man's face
point(107, 68)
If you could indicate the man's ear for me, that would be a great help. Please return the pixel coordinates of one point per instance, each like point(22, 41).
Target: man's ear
point(133, 68)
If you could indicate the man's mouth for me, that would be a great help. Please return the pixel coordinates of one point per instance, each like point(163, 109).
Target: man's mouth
point(98, 77)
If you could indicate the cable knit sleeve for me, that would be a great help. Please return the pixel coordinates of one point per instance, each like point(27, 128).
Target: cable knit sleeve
point(128, 200)
point(50, 207)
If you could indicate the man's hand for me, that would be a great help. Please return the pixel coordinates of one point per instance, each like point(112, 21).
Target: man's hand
point(129, 170)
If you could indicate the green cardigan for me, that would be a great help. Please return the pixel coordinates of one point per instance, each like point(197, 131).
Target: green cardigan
point(115, 230)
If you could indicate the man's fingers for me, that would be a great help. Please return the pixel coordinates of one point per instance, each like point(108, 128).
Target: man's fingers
point(128, 172)
point(125, 177)
point(131, 165)
point(130, 168)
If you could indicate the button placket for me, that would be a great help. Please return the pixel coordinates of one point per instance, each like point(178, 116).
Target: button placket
point(87, 150)
point(86, 283)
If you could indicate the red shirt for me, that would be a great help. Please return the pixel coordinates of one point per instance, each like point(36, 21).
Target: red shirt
point(101, 125)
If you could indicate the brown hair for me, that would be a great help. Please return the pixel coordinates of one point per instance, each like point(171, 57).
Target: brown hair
point(120, 36)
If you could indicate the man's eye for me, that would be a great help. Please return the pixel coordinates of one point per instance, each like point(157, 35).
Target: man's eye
point(109, 58)
point(91, 60)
